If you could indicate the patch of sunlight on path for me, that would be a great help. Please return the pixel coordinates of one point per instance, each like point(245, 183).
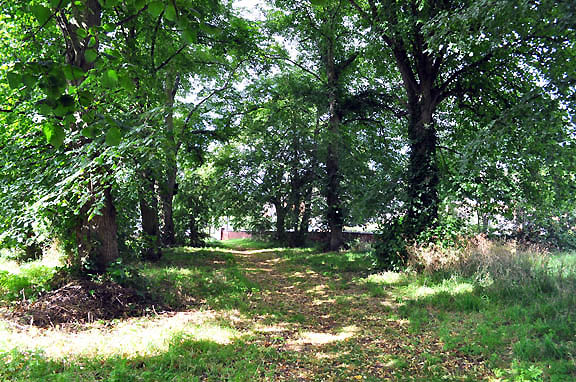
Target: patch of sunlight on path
point(321, 338)
point(136, 336)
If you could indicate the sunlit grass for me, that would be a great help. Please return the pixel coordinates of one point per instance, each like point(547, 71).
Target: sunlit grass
point(323, 338)
point(244, 244)
point(331, 263)
point(317, 316)
point(450, 287)
point(9, 266)
point(126, 338)
point(386, 278)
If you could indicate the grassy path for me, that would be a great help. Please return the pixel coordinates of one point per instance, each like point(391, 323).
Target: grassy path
point(335, 329)
point(299, 315)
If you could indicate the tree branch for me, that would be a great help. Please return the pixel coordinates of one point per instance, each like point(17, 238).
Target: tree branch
point(167, 61)
point(214, 92)
point(154, 35)
point(362, 12)
point(44, 23)
point(449, 149)
point(295, 63)
point(131, 17)
point(442, 89)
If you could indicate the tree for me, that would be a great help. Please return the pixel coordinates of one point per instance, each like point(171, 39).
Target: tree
point(61, 92)
point(273, 162)
point(329, 50)
point(443, 51)
point(90, 103)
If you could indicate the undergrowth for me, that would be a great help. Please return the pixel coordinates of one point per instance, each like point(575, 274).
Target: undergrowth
point(26, 283)
point(187, 277)
point(494, 300)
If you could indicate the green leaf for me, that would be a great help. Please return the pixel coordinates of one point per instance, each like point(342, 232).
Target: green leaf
point(109, 3)
point(155, 8)
point(72, 72)
point(110, 79)
point(88, 116)
point(209, 29)
point(109, 27)
point(91, 55)
point(41, 12)
point(189, 36)
point(89, 132)
point(54, 134)
point(113, 136)
point(82, 33)
point(195, 13)
point(318, 3)
point(14, 80)
point(85, 98)
point(48, 131)
point(113, 53)
point(46, 107)
point(59, 4)
point(127, 83)
point(139, 4)
point(29, 80)
point(92, 42)
point(170, 13)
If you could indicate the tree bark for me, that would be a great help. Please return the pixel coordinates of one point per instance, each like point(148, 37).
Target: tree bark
point(167, 200)
point(334, 215)
point(168, 188)
point(280, 221)
point(96, 237)
point(422, 211)
point(301, 229)
point(419, 72)
point(149, 215)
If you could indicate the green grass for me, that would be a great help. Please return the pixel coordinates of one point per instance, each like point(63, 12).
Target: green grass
point(243, 244)
point(331, 263)
point(408, 326)
point(25, 281)
point(185, 359)
point(532, 325)
point(186, 277)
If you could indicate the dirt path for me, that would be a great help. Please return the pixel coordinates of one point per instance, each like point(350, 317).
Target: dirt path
point(332, 329)
point(323, 325)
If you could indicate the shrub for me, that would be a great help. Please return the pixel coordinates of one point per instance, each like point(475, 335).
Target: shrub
point(433, 257)
point(29, 283)
point(391, 247)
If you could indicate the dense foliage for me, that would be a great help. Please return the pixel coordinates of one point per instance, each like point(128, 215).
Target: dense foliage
point(128, 125)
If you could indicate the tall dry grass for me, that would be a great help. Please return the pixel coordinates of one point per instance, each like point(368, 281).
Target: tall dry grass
point(504, 265)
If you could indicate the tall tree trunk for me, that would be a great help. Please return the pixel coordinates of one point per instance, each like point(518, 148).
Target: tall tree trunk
point(149, 215)
point(423, 200)
point(301, 229)
point(334, 214)
point(96, 236)
point(280, 221)
point(423, 97)
point(168, 188)
point(167, 199)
